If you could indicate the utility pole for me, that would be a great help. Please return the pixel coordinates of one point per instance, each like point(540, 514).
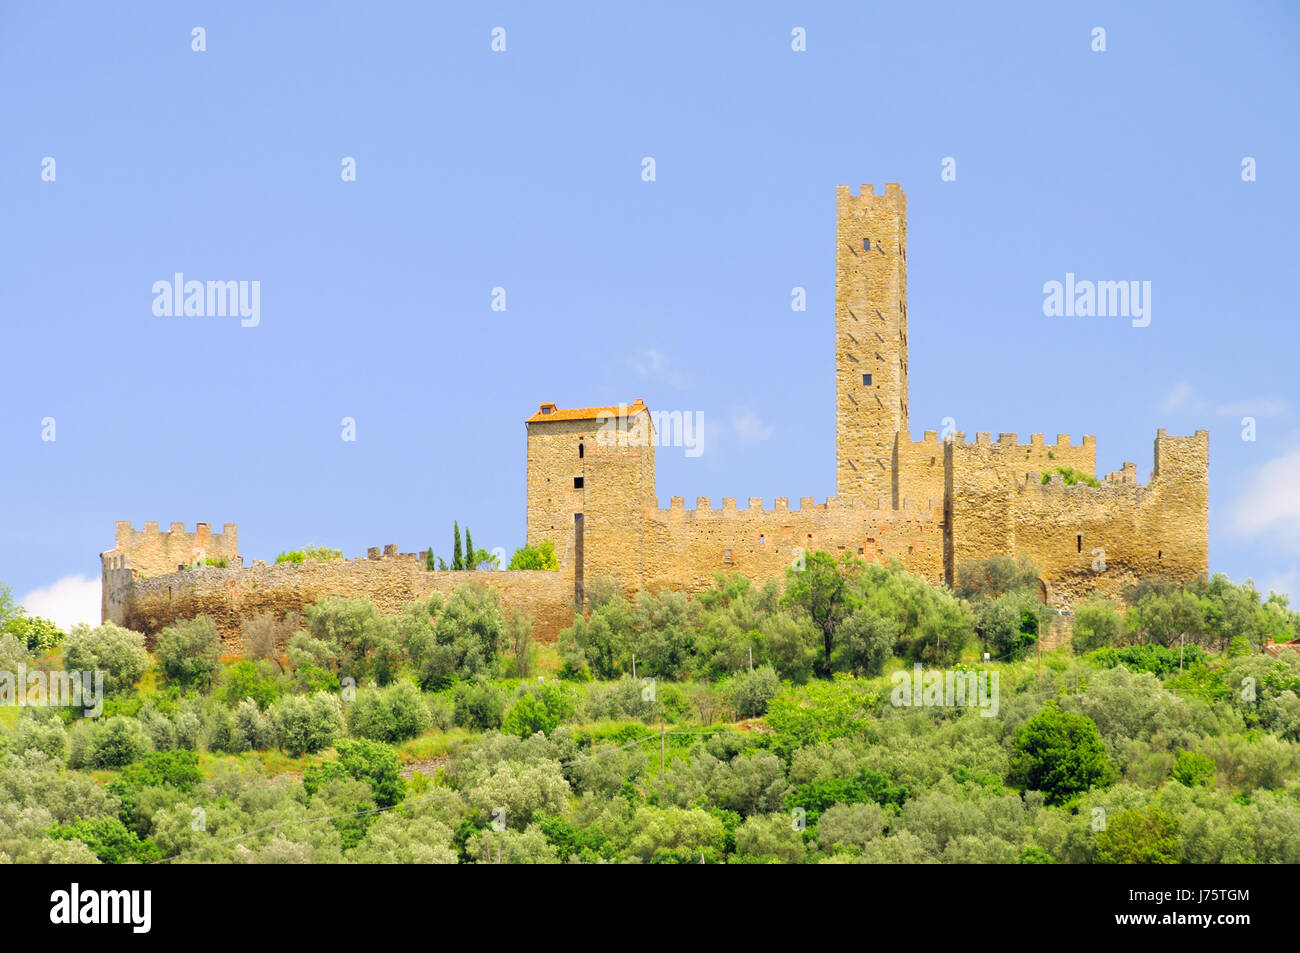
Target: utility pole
point(662, 749)
point(751, 658)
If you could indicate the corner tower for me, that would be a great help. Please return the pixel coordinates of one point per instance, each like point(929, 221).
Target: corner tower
point(870, 339)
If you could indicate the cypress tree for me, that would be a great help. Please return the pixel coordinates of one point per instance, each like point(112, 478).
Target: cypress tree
point(428, 560)
point(457, 560)
point(469, 550)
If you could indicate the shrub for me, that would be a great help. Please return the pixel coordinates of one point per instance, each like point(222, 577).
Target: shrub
point(251, 727)
point(479, 705)
point(751, 691)
point(1139, 837)
point(109, 840)
point(1193, 770)
point(115, 742)
point(540, 708)
point(306, 724)
point(44, 734)
point(373, 762)
point(349, 637)
point(187, 651)
point(391, 714)
point(1060, 754)
point(39, 635)
point(244, 679)
point(317, 553)
point(541, 556)
point(867, 641)
point(1096, 624)
point(119, 653)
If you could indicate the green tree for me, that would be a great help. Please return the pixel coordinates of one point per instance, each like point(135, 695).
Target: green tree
point(187, 651)
point(1192, 769)
point(1096, 624)
point(1139, 837)
point(541, 556)
point(823, 589)
point(428, 560)
point(119, 653)
point(470, 555)
point(1060, 754)
point(457, 554)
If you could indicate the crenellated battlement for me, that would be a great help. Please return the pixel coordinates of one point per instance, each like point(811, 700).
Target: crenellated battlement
point(931, 503)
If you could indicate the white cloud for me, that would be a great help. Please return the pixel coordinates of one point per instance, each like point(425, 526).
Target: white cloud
point(1253, 407)
point(66, 601)
point(655, 365)
point(1179, 396)
point(1270, 504)
point(749, 428)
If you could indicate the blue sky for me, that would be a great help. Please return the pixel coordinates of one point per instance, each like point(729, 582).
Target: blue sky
point(522, 169)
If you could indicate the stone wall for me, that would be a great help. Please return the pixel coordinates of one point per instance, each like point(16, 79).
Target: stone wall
point(150, 603)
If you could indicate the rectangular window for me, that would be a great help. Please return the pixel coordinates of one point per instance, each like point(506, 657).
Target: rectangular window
point(866, 380)
point(577, 483)
point(726, 555)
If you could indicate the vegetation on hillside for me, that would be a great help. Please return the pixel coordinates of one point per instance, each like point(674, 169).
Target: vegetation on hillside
point(744, 724)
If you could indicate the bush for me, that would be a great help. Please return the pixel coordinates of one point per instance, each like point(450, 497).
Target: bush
point(1139, 837)
point(316, 553)
point(244, 679)
point(252, 728)
point(373, 762)
point(541, 556)
point(1060, 754)
point(115, 742)
point(109, 840)
point(39, 635)
point(305, 724)
point(541, 707)
point(391, 714)
point(1193, 770)
point(751, 691)
point(349, 637)
point(45, 734)
point(119, 653)
point(1096, 624)
point(479, 705)
point(187, 651)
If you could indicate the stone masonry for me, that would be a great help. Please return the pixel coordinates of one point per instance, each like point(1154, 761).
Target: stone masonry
point(930, 503)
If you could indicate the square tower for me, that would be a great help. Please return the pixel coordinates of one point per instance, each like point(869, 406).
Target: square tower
point(597, 463)
point(870, 339)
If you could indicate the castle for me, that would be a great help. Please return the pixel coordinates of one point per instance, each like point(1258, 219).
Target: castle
point(930, 503)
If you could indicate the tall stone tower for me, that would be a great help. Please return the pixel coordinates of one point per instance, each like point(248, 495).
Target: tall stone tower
point(870, 339)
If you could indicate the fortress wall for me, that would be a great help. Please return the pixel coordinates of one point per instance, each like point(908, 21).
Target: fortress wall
point(685, 548)
point(228, 595)
point(1072, 532)
point(154, 552)
point(1006, 460)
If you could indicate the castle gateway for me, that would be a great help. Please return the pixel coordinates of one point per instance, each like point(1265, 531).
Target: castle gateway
point(932, 504)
